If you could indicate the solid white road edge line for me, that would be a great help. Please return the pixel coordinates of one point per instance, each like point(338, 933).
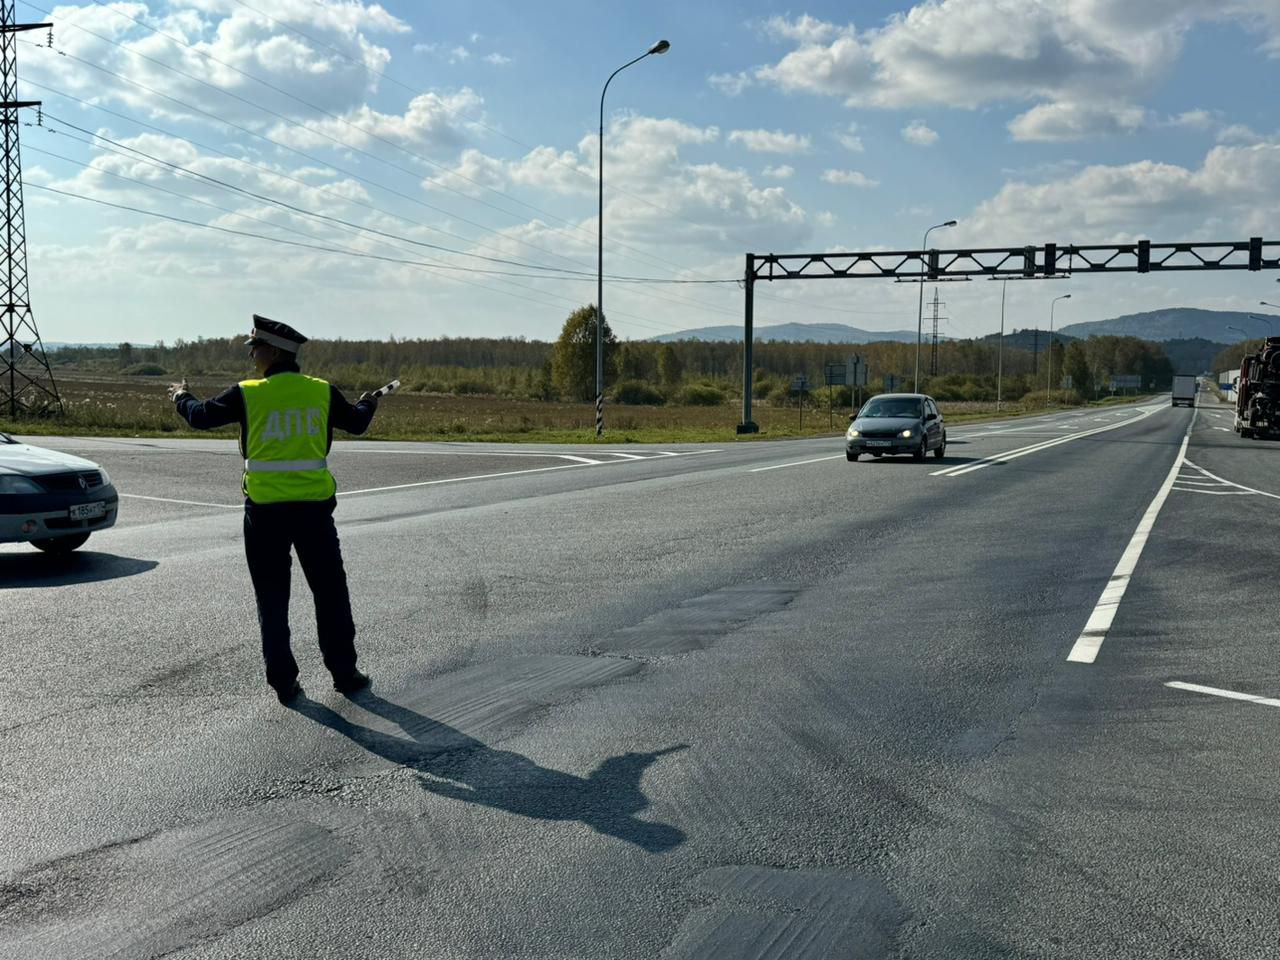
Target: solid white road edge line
point(1228, 694)
point(964, 468)
point(797, 463)
point(1087, 645)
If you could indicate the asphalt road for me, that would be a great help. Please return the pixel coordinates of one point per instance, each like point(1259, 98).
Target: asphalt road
point(748, 701)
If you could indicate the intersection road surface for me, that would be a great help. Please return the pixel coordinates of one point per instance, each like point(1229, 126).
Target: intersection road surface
point(743, 701)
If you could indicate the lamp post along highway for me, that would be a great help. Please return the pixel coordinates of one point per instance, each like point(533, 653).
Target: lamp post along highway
point(1049, 379)
point(1244, 336)
point(662, 46)
point(924, 246)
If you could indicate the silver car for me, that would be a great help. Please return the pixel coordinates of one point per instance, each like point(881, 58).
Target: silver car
point(52, 500)
point(897, 423)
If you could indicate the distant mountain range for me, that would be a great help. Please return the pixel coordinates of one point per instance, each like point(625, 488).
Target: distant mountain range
point(800, 332)
point(1176, 323)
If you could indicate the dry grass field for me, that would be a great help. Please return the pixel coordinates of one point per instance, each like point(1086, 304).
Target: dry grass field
point(138, 406)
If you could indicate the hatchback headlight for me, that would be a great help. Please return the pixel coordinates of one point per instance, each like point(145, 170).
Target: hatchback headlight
point(15, 484)
point(106, 477)
point(907, 433)
point(853, 434)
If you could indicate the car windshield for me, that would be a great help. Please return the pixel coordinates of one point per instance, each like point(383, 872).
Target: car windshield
point(891, 407)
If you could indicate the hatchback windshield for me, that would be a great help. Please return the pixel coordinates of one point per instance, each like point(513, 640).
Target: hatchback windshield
point(891, 407)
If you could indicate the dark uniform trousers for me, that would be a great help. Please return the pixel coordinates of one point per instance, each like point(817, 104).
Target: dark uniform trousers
point(269, 532)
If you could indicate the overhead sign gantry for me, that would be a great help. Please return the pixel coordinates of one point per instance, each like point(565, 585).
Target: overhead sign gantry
point(1047, 261)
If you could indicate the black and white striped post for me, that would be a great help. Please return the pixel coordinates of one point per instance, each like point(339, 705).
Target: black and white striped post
point(599, 414)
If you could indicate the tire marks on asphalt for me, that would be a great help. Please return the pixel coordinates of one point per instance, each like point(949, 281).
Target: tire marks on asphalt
point(156, 895)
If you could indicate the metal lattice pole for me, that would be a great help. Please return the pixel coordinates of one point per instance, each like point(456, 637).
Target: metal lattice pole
point(27, 385)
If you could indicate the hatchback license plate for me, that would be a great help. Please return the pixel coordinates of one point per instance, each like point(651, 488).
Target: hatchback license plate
point(87, 511)
point(879, 443)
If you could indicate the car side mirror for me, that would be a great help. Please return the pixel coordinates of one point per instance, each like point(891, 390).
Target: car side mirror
point(853, 417)
point(930, 416)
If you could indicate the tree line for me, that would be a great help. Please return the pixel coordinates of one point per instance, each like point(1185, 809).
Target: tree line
point(638, 371)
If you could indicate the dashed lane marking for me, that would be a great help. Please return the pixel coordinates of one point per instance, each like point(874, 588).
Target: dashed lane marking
point(1087, 645)
point(507, 473)
point(796, 463)
point(1226, 694)
point(189, 503)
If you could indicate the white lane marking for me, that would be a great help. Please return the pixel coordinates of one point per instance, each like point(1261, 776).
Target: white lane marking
point(1231, 483)
point(569, 456)
point(508, 473)
point(1087, 645)
point(1216, 493)
point(1228, 694)
point(1037, 447)
point(1223, 429)
point(625, 456)
point(796, 463)
point(189, 503)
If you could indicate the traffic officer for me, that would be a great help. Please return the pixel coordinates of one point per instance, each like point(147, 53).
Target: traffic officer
point(286, 429)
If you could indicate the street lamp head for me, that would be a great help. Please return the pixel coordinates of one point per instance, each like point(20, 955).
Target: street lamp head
point(950, 223)
point(1066, 296)
point(660, 47)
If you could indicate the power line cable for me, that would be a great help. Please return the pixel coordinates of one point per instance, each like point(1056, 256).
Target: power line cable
point(320, 248)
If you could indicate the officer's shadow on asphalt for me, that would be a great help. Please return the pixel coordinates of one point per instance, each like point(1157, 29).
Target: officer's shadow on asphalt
point(455, 765)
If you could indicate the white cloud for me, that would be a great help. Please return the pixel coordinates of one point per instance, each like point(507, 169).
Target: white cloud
point(1060, 122)
point(497, 59)
point(1192, 119)
point(432, 121)
point(227, 44)
point(1239, 133)
point(771, 141)
point(780, 172)
point(918, 133)
point(804, 29)
point(1234, 192)
point(730, 84)
point(655, 194)
point(848, 178)
point(966, 53)
point(1063, 121)
point(849, 138)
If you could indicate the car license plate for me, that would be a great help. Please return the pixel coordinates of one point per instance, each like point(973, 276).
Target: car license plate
point(879, 443)
point(87, 511)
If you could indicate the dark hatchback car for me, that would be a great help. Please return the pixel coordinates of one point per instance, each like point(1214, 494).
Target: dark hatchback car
point(897, 423)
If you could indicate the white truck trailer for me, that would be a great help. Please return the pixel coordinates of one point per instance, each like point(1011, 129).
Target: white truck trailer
point(1184, 389)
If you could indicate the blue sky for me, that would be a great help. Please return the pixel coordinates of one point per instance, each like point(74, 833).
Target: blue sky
point(396, 130)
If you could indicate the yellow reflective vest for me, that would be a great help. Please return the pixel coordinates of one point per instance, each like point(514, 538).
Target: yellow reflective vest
point(286, 439)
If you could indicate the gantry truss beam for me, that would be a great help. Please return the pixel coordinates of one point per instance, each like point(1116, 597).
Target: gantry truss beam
point(1050, 261)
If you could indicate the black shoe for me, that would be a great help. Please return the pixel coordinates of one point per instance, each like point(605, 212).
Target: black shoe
point(353, 682)
point(290, 693)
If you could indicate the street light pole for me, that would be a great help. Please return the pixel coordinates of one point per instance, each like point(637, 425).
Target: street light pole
point(1266, 320)
point(1049, 381)
point(662, 46)
point(924, 246)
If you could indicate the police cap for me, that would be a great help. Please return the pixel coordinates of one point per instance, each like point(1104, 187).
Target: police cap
point(275, 334)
